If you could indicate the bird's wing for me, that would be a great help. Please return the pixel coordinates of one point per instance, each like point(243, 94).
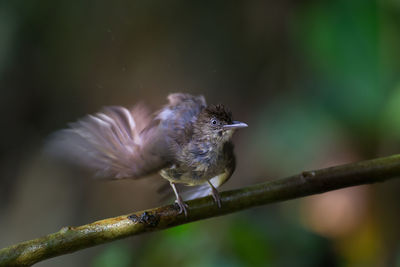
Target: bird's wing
point(175, 118)
point(110, 142)
point(181, 110)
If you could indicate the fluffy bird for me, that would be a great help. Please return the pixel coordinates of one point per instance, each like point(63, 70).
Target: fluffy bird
point(186, 141)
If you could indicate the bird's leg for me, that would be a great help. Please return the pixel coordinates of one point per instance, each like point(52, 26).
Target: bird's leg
point(215, 194)
point(182, 205)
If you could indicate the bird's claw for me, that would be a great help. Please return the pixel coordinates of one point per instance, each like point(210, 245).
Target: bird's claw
point(216, 197)
point(182, 206)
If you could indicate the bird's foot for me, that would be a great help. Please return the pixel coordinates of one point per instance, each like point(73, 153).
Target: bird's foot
point(182, 205)
point(215, 195)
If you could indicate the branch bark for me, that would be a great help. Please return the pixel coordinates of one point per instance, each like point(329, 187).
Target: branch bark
point(70, 239)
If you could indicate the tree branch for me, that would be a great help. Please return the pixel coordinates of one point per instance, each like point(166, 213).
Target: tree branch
point(70, 239)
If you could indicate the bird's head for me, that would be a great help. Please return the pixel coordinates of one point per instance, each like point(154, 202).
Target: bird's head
point(216, 123)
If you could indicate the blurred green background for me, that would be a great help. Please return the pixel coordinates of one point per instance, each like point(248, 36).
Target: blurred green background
point(317, 81)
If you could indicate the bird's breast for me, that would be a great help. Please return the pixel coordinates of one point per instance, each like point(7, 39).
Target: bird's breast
point(196, 166)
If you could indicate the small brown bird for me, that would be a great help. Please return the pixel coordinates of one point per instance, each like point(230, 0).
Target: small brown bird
point(187, 141)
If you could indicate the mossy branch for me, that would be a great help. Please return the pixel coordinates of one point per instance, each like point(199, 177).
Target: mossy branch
point(70, 239)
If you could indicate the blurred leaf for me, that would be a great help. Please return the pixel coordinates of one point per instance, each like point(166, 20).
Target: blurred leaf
point(364, 246)
point(340, 40)
point(398, 258)
point(8, 28)
point(294, 133)
point(186, 245)
point(246, 239)
point(391, 115)
point(249, 244)
point(115, 254)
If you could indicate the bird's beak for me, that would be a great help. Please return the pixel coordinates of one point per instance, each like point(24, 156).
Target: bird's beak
point(235, 125)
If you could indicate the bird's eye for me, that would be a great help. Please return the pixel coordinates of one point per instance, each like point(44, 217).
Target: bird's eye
point(214, 122)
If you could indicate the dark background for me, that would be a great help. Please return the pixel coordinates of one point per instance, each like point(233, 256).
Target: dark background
point(317, 82)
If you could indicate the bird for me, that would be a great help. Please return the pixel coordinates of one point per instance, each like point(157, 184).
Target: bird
point(186, 141)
